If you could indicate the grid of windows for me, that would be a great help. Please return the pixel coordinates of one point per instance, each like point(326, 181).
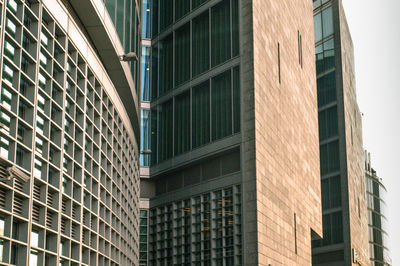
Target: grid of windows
point(59, 123)
point(201, 230)
point(143, 237)
point(328, 125)
point(208, 44)
point(212, 110)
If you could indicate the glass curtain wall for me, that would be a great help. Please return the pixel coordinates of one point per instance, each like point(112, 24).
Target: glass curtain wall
point(328, 124)
point(211, 45)
point(205, 112)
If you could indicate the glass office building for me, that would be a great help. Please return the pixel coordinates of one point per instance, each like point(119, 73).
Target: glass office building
point(340, 139)
point(69, 121)
point(201, 124)
point(377, 221)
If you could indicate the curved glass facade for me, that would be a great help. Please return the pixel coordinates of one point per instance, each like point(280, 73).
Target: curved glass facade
point(63, 125)
point(377, 222)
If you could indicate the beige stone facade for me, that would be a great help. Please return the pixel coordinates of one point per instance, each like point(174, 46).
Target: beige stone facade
point(280, 154)
point(354, 149)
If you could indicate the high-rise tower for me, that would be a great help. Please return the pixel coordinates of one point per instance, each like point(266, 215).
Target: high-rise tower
point(69, 123)
point(234, 169)
point(344, 210)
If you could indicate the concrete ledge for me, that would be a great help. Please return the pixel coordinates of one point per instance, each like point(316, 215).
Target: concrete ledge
point(106, 41)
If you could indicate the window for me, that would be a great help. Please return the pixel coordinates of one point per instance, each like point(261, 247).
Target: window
point(145, 73)
point(182, 7)
point(325, 56)
point(2, 225)
point(323, 24)
point(196, 3)
point(221, 106)
point(326, 89)
point(33, 259)
point(236, 100)
point(200, 44)
point(155, 15)
point(182, 123)
point(166, 13)
point(182, 54)
point(165, 131)
point(220, 33)
point(328, 123)
point(110, 5)
point(201, 115)
point(146, 19)
point(331, 192)
point(153, 140)
point(329, 157)
point(154, 71)
point(145, 137)
point(166, 65)
point(4, 146)
point(6, 97)
point(34, 238)
point(120, 20)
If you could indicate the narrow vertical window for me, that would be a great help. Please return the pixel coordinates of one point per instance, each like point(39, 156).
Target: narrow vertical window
point(295, 234)
point(300, 48)
point(279, 63)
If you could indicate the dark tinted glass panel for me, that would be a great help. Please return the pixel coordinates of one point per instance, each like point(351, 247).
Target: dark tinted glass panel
point(182, 7)
point(326, 224)
point(236, 100)
point(333, 148)
point(166, 13)
point(201, 44)
point(182, 123)
point(337, 227)
point(328, 123)
point(154, 20)
point(145, 73)
point(220, 33)
point(154, 136)
point(235, 27)
point(154, 72)
point(221, 106)
point(196, 3)
point(329, 54)
point(317, 27)
point(335, 192)
point(327, 22)
point(182, 54)
point(120, 19)
point(145, 137)
point(165, 131)
point(127, 25)
point(326, 88)
point(201, 115)
point(329, 155)
point(110, 5)
point(166, 65)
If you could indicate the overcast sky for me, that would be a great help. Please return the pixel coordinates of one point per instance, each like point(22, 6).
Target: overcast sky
point(375, 29)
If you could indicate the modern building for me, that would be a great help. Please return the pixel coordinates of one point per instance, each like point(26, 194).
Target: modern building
point(377, 221)
point(69, 123)
point(345, 226)
point(230, 116)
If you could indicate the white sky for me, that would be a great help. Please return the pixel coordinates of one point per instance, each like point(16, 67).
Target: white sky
point(375, 30)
